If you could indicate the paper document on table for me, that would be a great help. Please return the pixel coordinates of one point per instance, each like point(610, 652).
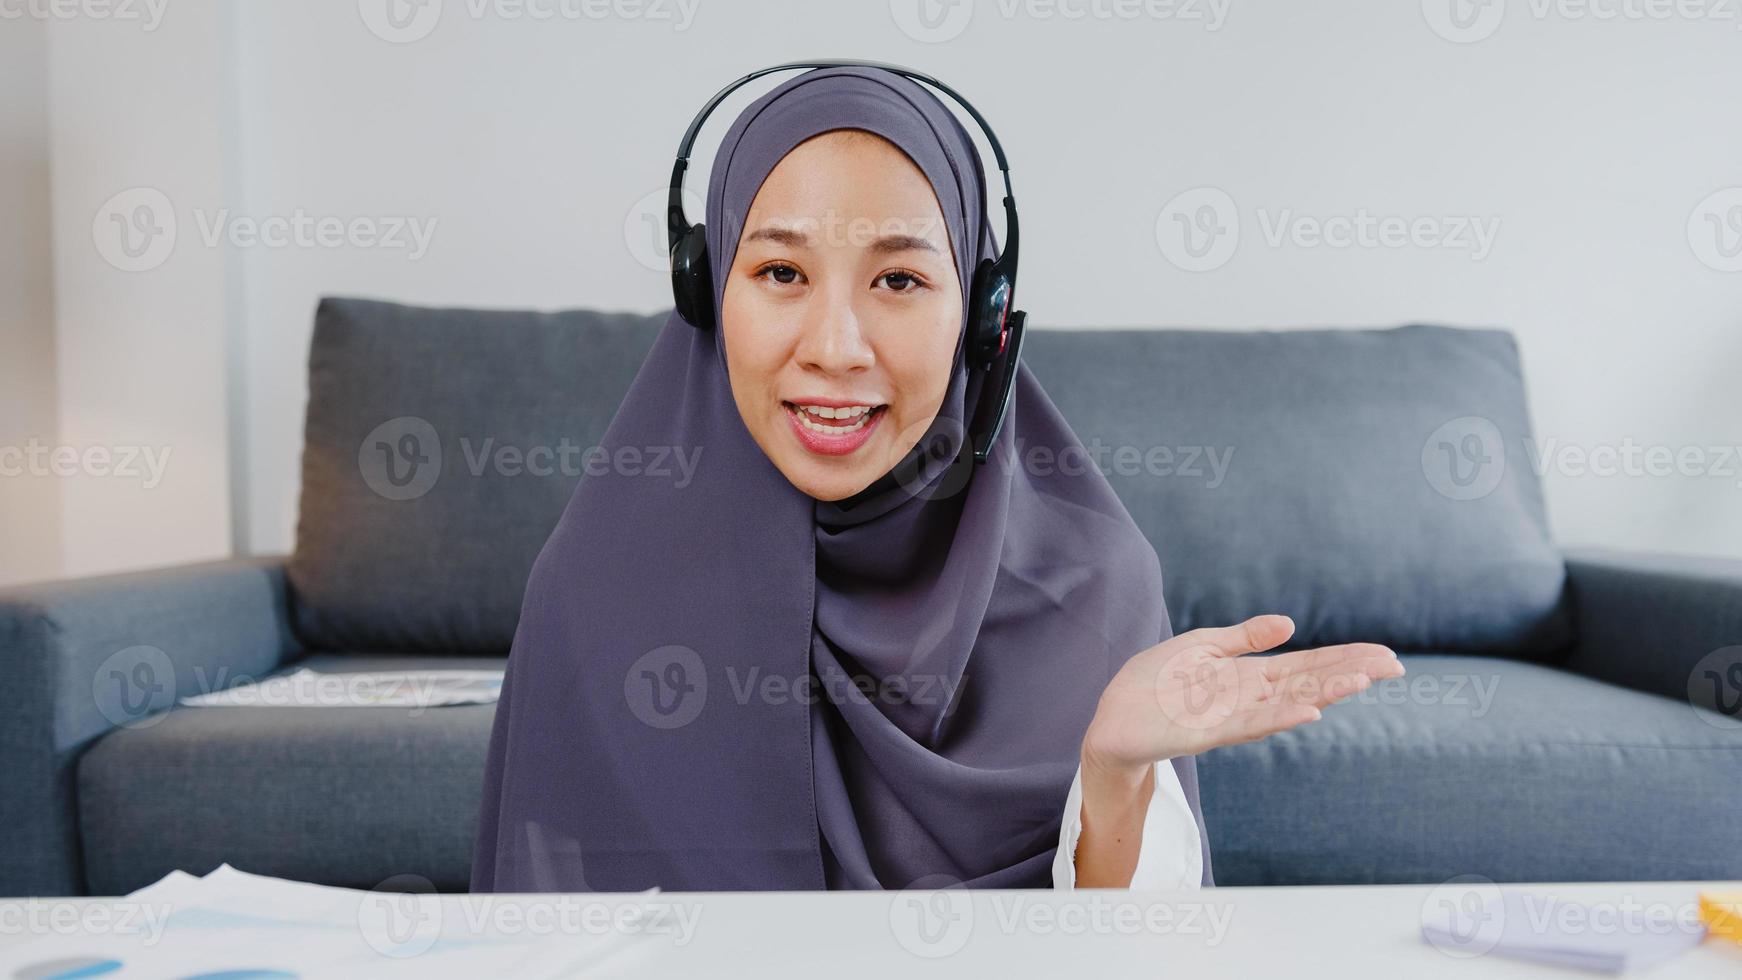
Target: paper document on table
point(1537, 926)
point(305, 688)
point(230, 922)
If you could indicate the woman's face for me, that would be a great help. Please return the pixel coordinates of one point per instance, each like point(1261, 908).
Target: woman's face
point(841, 312)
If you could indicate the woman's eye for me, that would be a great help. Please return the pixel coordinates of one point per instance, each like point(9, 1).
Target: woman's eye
point(901, 282)
point(786, 275)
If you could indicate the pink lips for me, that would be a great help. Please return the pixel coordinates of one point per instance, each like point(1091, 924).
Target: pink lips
point(826, 444)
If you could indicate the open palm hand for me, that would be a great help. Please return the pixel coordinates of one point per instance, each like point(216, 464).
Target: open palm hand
point(1197, 691)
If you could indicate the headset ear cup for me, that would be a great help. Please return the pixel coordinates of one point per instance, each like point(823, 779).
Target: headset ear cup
point(977, 315)
point(991, 308)
point(692, 279)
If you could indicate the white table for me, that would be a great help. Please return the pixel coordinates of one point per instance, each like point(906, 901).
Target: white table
point(1341, 932)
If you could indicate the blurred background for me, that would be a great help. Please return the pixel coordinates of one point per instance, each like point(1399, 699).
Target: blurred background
point(182, 179)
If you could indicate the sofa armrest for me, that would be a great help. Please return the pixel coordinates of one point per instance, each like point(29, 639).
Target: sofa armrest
point(1648, 621)
point(79, 658)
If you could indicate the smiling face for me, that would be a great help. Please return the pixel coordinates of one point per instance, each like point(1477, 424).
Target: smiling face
point(841, 312)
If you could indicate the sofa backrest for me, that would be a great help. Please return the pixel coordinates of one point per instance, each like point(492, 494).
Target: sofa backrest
point(1371, 484)
point(441, 446)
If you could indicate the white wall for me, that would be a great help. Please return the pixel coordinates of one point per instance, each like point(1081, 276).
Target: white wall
point(29, 502)
point(531, 144)
point(140, 124)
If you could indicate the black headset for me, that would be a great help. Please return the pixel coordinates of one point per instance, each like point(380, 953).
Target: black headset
point(994, 338)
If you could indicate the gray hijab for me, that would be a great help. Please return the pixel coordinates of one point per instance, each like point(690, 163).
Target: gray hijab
point(729, 685)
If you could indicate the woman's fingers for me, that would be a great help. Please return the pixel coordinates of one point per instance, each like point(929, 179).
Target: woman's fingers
point(1263, 721)
point(1283, 665)
point(1255, 635)
point(1302, 701)
point(1258, 698)
point(1333, 682)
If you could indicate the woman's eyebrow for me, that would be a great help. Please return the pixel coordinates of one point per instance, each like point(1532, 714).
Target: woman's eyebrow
point(794, 238)
point(903, 243)
point(789, 237)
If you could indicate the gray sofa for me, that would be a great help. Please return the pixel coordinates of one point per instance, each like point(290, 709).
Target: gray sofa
point(1372, 484)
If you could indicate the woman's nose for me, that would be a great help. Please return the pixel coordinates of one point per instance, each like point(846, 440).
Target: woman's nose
point(832, 341)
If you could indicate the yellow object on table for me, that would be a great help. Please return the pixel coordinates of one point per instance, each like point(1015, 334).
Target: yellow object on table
point(1722, 915)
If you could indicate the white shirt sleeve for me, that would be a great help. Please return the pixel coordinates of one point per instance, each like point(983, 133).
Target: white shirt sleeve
point(1170, 853)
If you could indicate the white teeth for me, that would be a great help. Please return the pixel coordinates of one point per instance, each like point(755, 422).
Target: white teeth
point(834, 430)
point(825, 412)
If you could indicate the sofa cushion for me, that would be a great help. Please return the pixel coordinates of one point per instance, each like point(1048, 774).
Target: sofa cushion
point(1477, 765)
point(441, 448)
point(340, 796)
point(1403, 783)
point(1372, 484)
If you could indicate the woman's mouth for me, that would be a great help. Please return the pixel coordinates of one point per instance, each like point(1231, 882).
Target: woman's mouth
point(833, 430)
